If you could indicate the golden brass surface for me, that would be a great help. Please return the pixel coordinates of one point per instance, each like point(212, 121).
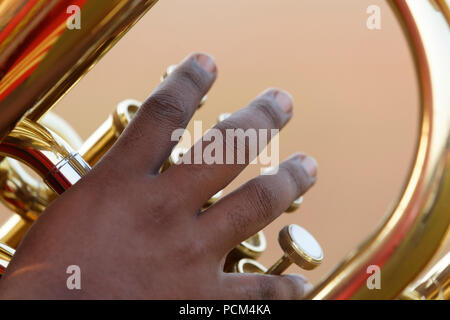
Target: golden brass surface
point(406, 241)
point(170, 69)
point(41, 59)
point(175, 156)
point(21, 192)
point(24, 194)
point(46, 153)
point(295, 205)
point(249, 266)
point(252, 248)
point(13, 230)
point(435, 285)
point(6, 254)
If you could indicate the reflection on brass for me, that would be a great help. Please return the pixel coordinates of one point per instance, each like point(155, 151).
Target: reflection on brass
point(40, 60)
point(13, 230)
point(6, 254)
point(46, 153)
point(252, 248)
point(175, 156)
point(249, 266)
point(23, 194)
point(50, 157)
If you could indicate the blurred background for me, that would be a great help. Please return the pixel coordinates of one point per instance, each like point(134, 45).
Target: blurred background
point(355, 91)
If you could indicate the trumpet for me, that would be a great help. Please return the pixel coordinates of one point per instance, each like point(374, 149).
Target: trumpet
point(41, 58)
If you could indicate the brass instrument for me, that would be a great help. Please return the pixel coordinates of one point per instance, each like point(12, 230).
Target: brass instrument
point(41, 59)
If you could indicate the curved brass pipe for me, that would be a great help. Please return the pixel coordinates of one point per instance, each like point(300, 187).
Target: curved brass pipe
point(50, 157)
point(6, 254)
point(24, 194)
point(435, 285)
point(21, 193)
point(28, 197)
point(407, 240)
point(34, 74)
point(46, 153)
point(41, 58)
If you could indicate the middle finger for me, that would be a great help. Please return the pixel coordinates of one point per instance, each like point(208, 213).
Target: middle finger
point(210, 171)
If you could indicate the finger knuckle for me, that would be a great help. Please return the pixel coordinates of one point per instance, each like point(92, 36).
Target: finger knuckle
point(296, 176)
point(261, 199)
point(270, 110)
point(193, 77)
point(168, 106)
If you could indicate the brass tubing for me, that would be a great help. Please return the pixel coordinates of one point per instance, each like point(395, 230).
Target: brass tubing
point(13, 230)
point(6, 254)
point(46, 153)
point(23, 193)
point(41, 58)
point(29, 197)
point(280, 265)
point(404, 244)
point(435, 285)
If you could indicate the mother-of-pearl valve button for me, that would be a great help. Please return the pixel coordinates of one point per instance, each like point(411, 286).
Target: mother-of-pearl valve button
point(299, 247)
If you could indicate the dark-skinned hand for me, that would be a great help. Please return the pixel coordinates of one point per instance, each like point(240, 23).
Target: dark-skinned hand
point(136, 233)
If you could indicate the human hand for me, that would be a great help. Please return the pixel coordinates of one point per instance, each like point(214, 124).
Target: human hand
point(136, 233)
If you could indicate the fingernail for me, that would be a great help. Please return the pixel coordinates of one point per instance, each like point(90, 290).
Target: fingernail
point(310, 165)
point(284, 100)
point(206, 62)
